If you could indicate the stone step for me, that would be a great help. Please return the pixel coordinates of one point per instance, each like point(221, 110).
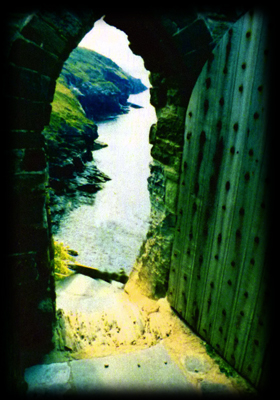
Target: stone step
point(142, 371)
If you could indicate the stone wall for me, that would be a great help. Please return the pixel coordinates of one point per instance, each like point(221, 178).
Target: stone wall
point(174, 49)
point(38, 45)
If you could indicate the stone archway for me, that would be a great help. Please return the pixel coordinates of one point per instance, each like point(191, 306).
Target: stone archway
point(39, 43)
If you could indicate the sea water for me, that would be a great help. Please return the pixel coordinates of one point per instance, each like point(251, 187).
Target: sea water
point(109, 233)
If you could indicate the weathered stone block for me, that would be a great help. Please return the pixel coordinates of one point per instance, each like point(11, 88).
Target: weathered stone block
point(30, 85)
point(28, 115)
point(155, 257)
point(29, 55)
point(152, 134)
point(156, 185)
point(170, 126)
point(53, 378)
point(70, 25)
point(29, 181)
point(26, 139)
point(158, 96)
point(27, 238)
point(34, 160)
point(28, 160)
point(41, 33)
point(33, 328)
point(157, 79)
point(24, 267)
point(30, 211)
point(171, 195)
point(166, 151)
point(16, 157)
point(171, 174)
point(178, 97)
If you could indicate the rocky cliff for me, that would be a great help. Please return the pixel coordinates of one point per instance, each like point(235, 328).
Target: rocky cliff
point(90, 88)
point(100, 85)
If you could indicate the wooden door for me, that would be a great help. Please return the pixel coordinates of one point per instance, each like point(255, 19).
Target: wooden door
point(219, 270)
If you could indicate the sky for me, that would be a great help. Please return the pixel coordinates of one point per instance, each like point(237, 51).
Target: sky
point(114, 44)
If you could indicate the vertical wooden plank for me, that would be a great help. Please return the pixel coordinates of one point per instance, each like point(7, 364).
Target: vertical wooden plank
point(251, 215)
point(208, 88)
point(233, 229)
point(258, 339)
point(221, 212)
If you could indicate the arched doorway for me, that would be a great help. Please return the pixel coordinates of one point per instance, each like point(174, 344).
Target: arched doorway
point(39, 44)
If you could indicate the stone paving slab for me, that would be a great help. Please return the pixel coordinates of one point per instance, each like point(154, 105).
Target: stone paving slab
point(146, 370)
point(79, 292)
point(48, 378)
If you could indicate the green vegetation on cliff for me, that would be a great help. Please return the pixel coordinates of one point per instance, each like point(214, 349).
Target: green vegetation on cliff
point(65, 135)
point(66, 108)
point(100, 85)
point(70, 134)
point(90, 87)
point(87, 65)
